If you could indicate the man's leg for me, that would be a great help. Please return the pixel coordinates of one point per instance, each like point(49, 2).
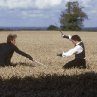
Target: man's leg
point(79, 63)
point(70, 64)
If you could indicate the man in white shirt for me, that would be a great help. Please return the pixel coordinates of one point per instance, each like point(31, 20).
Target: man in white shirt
point(78, 50)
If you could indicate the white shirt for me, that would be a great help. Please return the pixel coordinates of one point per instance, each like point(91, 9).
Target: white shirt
point(69, 37)
point(76, 50)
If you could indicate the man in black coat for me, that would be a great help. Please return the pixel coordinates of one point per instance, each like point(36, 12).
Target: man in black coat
point(7, 50)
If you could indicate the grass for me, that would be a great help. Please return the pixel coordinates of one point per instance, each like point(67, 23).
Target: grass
point(29, 79)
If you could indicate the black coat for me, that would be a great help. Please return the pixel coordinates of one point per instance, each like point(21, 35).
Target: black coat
point(6, 53)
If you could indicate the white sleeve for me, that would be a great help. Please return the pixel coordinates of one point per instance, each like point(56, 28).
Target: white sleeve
point(69, 37)
point(76, 50)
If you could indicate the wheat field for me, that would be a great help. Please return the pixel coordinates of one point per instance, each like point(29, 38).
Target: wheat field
point(43, 46)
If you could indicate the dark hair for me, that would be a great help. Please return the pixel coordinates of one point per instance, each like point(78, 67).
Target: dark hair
point(76, 38)
point(11, 37)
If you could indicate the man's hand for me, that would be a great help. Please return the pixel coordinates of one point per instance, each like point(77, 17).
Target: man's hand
point(59, 55)
point(30, 58)
point(63, 35)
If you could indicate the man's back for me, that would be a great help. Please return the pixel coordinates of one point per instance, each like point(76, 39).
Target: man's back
point(6, 52)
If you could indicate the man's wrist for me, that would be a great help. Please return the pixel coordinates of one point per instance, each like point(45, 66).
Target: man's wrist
point(63, 55)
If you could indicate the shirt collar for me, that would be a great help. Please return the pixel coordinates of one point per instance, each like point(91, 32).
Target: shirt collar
point(78, 43)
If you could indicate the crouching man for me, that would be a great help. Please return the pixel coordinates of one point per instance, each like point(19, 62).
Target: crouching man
point(7, 50)
point(78, 50)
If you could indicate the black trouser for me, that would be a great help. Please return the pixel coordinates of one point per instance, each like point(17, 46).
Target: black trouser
point(79, 63)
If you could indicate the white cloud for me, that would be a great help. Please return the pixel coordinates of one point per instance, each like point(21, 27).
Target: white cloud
point(43, 4)
point(33, 15)
point(47, 3)
point(85, 3)
point(37, 14)
point(93, 11)
point(12, 4)
point(39, 4)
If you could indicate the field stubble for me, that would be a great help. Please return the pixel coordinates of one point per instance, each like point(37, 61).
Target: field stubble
point(43, 47)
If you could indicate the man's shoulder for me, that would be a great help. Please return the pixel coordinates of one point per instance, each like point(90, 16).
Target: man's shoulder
point(78, 47)
point(13, 46)
point(1, 44)
point(7, 45)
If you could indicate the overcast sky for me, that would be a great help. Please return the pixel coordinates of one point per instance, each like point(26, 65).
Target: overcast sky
point(41, 12)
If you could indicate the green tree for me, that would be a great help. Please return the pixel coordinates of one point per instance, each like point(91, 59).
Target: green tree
point(52, 27)
point(73, 17)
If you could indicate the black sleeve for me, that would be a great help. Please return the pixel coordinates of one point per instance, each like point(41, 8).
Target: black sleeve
point(67, 37)
point(21, 52)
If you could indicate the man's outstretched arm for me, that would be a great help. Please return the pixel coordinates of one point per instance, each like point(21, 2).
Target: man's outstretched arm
point(22, 53)
point(78, 49)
